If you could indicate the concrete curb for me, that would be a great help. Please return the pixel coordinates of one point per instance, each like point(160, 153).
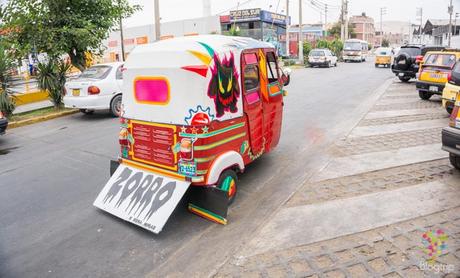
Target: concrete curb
point(31, 97)
point(41, 118)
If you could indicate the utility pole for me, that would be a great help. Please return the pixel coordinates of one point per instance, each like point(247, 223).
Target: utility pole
point(287, 28)
point(383, 11)
point(157, 20)
point(420, 14)
point(346, 19)
point(300, 34)
point(120, 21)
point(455, 24)
point(450, 10)
point(325, 20)
point(342, 21)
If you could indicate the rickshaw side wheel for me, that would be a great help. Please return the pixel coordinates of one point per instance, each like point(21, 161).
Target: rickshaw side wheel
point(227, 182)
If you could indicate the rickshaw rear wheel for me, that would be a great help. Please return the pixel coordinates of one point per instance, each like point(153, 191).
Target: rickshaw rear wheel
point(227, 182)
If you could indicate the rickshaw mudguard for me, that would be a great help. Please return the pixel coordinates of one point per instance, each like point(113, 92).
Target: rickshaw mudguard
point(140, 196)
point(209, 202)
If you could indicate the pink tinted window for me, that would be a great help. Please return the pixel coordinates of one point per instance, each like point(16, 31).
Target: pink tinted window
point(250, 58)
point(151, 90)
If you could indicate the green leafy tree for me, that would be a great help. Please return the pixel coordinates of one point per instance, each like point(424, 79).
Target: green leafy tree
point(322, 44)
point(335, 30)
point(59, 27)
point(336, 46)
point(234, 31)
point(385, 43)
point(51, 78)
point(7, 103)
point(307, 47)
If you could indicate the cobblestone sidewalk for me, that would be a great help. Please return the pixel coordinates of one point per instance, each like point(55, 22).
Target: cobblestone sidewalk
point(395, 250)
point(392, 251)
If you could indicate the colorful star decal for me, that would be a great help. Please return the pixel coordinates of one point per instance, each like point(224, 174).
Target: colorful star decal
point(194, 130)
point(183, 129)
point(205, 129)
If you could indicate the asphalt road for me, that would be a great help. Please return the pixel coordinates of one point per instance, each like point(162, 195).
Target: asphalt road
point(51, 172)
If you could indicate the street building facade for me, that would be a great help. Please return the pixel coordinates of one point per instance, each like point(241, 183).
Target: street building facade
point(258, 24)
point(363, 27)
point(146, 34)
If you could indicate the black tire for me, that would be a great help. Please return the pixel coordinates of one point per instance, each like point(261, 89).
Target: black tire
point(449, 109)
point(424, 95)
point(328, 64)
point(288, 80)
point(115, 106)
point(335, 64)
point(376, 65)
point(404, 78)
point(406, 64)
point(87, 111)
point(228, 182)
point(455, 161)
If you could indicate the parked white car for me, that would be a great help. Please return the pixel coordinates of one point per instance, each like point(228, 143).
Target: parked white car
point(322, 57)
point(97, 88)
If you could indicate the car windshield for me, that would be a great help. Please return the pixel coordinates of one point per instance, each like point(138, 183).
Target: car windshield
point(316, 53)
point(352, 46)
point(411, 51)
point(96, 72)
point(445, 60)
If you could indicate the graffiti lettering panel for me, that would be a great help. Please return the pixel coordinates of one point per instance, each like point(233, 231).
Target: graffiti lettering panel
point(141, 197)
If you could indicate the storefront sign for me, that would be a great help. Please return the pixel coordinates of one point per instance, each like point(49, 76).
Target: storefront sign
point(245, 15)
point(273, 18)
point(113, 43)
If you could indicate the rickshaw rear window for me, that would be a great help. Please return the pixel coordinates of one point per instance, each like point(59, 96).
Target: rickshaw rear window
point(251, 77)
point(446, 60)
point(151, 90)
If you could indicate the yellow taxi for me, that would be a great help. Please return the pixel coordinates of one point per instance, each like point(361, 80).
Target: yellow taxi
point(434, 72)
point(383, 57)
point(451, 89)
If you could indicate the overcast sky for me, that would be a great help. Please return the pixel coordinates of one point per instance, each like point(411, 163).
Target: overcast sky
point(171, 10)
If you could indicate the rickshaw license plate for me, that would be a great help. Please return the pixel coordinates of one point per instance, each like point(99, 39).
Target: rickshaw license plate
point(400, 74)
point(187, 168)
point(436, 75)
point(433, 88)
point(76, 92)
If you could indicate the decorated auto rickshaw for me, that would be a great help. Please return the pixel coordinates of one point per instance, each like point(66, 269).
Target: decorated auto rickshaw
point(196, 111)
point(383, 57)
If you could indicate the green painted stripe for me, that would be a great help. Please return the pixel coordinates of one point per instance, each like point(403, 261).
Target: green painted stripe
point(218, 143)
point(204, 159)
point(201, 172)
point(212, 133)
point(207, 212)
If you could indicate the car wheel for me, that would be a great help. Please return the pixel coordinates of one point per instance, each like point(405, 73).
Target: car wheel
point(424, 95)
point(455, 161)
point(449, 109)
point(115, 106)
point(329, 64)
point(227, 182)
point(87, 111)
point(376, 65)
point(335, 64)
point(404, 78)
